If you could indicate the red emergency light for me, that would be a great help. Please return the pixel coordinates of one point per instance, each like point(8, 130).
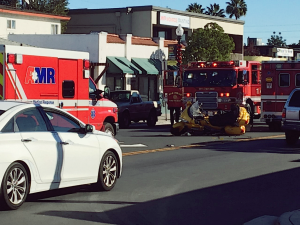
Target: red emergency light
point(188, 95)
point(15, 58)
point(86, 64)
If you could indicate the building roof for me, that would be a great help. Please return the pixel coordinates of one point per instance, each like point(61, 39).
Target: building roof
point(143, 41)
point(8, 42)
point(114, 38)
point(153, 8)
point(31, 13)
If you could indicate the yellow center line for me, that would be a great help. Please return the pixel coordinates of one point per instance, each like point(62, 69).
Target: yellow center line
point(194, 145)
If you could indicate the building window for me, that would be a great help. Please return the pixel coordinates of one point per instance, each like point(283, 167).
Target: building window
point(11, 24)
point(54, 29)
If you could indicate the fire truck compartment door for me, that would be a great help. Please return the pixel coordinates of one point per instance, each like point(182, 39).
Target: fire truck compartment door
point(68, 83)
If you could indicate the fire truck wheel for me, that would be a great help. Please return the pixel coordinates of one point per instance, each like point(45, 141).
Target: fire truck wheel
point(125, 120)
point(109, 128)
point(251, 108)
point(291, 137)
point(152, 118)
point(108, 172)
point(15, 187)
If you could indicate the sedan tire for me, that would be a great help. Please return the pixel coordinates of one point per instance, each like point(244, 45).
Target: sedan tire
point(108, 172)
point(15, 186)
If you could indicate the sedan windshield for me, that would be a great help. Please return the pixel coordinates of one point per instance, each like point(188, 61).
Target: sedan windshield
point(1, 112)
point(210, 78)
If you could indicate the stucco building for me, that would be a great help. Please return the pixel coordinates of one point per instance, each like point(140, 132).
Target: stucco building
point(151, 21)
point(16, 21)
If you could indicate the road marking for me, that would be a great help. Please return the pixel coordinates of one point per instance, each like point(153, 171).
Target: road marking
point(134, 145)
point(191, 146)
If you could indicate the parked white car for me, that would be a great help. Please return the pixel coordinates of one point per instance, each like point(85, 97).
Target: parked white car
point(43, 147)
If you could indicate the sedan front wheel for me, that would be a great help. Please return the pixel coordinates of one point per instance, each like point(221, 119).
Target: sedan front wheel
point(15, 186)
point(108, 172)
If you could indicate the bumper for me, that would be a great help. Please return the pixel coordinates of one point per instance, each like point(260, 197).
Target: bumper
point(286, 126)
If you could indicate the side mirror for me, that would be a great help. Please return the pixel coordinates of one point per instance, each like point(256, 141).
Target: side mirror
point(106, 92)
point(89, 128)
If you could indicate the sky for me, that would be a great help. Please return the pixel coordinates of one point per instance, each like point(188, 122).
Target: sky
point(262, 18)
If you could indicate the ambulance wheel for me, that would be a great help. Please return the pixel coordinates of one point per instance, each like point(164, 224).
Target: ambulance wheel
point(15, 187)
point(152, 118)
point(291, 137)
point(109, 128)
point(125, 120)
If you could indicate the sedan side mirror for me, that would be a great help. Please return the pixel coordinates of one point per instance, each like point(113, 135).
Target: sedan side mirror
point(89, 128)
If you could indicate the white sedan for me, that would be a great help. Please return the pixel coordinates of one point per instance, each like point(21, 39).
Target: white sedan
point(44, 148)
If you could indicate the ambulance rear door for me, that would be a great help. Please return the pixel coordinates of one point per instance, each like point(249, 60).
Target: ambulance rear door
point(68, 85)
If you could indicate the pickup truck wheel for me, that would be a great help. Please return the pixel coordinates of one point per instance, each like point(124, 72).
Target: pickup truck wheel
point(151, 121)
point(291, 138)
point(109, 128)
point(125, 120)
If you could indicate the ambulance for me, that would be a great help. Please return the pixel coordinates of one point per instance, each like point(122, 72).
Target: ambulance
point(55, 77)
point(278, 80)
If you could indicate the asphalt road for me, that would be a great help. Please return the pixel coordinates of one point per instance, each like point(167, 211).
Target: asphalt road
point(210, 182)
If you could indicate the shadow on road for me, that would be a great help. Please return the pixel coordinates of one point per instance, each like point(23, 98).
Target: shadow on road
point(257, 146)
point(232, 203)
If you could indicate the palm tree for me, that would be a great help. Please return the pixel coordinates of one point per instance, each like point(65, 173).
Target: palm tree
point(195, 7)
point(236, 8)
point(214, 10)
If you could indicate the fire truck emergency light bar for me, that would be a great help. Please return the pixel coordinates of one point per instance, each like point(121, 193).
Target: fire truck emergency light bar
point(220, 64)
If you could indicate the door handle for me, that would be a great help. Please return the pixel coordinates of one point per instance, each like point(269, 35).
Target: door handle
point(64, 143)
point(26, 140)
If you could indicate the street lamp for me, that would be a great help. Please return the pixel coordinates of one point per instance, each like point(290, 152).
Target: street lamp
point(179, 33)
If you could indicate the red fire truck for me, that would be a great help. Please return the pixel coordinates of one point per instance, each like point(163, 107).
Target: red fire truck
point(216, 85)
point(55, 77)
point(278, 79)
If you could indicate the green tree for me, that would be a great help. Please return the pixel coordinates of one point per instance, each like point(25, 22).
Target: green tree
point(251, 51)
point(208, 44)
point(236, 8)
point(276, 40)
point(195, 7)
point(214, 10)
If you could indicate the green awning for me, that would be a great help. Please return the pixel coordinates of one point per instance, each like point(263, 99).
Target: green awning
point(146, 65)
point(121, 65)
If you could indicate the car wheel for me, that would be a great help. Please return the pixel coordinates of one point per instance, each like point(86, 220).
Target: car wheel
point(108, 172)
point(152, 118)
point(15, 186)
point(291, 138)
point(109, 128)
point(125, 120)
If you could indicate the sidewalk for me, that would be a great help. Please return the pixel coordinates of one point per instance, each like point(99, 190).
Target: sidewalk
point(162, 120)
